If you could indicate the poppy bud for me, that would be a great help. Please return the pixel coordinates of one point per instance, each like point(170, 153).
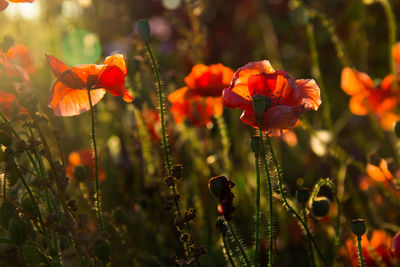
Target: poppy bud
point(259, 104)
point(18, 231)
point(101, 249)
point(397, 129)
point(7, 211)
point(358, 227)
point(219, 186)
point(302, 195)
point(320, 206)
point(255, 144)
point(143, 29)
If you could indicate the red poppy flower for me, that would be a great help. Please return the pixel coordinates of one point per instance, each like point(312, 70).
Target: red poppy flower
point(83, 158)
point(379, 173)
point(375, 250)
point(201, 99)
point(4, 3)
point(286, 98)
point(69, 96)
point(21, 56)
point(366, 98)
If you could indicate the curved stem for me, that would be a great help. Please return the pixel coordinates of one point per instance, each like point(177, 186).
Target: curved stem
point(258, 189)
point(271, 210)
point(236, 239)
point(161, 105)
point(360, 253)
point(287, 204)
point(98, 204)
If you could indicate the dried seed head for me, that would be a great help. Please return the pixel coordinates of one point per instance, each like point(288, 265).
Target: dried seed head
point(320, 206)
point(358, 227)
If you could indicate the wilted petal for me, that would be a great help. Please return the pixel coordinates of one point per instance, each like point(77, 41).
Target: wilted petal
point(309, 93)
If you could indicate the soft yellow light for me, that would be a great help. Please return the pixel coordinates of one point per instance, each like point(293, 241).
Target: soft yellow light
point(26, 11)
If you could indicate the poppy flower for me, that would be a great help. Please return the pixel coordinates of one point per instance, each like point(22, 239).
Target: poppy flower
point(21, 56)
point(68, 94)
point(285, 98)
point(368, 99)
point(4, 3)
point(197, 110)
point(84, 160)
point(379, 173)
point(376, 250)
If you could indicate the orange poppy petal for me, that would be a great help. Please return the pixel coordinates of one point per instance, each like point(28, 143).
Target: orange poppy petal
point(56, 65)
point(357, 106)
point(233, 100)
point(179, 96)
point(354, 82)
point(388, 120)
point(71, 102)
point(3, 5)
point(241, 76)
point(309, 93)
point(218, 106)
point(22, 1)
point(375, 173)
point(197, 71)
point(396, 52)
point(117, 60)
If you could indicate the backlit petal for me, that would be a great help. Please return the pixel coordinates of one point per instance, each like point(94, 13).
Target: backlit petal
point(233, 100)
point(3, 5)
point(117, 60)
point(309, 93)
point(357, 106)
point(56, 65)
point(354, 82)
point(179, 96)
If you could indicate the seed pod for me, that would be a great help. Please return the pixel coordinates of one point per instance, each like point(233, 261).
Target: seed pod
point(17, 230)
point(143, 29)
point(358, 227)
point(219, 186)
point(7, 211)
point(255, 144)
point(320, 206)
point(259, 104)
point(101, 249)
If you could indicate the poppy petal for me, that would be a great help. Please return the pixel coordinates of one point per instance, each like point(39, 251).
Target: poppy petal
point(354, 82)
point(111, 76)
point(388, 120)
point(396, 52)
point(70, 102)
point(56, 65)
point(3, 5)
point(180, 95)
point(357, 106)
point(309, 93)
point(22, 1)
point(218, 106)
point(233, 100)
point(117, 60)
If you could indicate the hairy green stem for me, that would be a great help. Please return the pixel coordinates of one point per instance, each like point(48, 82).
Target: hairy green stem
point(238, 244)
point(258, 189)
point(161, 106)
point(271, 210)
point(310, 247)
point(287, 204)
point(228, 254)
point(360, 253)
point(98, 204)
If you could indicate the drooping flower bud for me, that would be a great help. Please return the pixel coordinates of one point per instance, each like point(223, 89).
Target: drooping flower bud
point(320, 206)
point(358, 227)
point(143, 29)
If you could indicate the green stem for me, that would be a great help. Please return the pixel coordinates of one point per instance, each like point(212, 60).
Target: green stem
point(226, 144)
point(21, 255)
point(238, 244)
point(4, 187)
point(316, 72)
point(310, 247)
point(391, 20)
point(161, 105)
point(287, 204)
point(98, 204)
point(228, 254)
point(360, 253)
point(271, 210)
point(258, 189)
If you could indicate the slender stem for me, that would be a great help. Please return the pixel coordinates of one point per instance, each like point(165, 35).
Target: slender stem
point(391, 21)
point(258, 189)
point(238, 244)
point(4, 187)
point(21, 255)
point(316, 72)
point(360, 253)
point(271, 210)
point(98, 204)
point(161, 105)
point(228, 252)
point(310, 247)
point(226, 144)
point(287, 204)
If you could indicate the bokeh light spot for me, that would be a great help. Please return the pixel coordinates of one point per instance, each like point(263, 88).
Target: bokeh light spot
point(81, 47)
point(27, 11)
point(171, 4)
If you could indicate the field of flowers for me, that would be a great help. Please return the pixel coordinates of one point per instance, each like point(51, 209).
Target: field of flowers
point(199, 133)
